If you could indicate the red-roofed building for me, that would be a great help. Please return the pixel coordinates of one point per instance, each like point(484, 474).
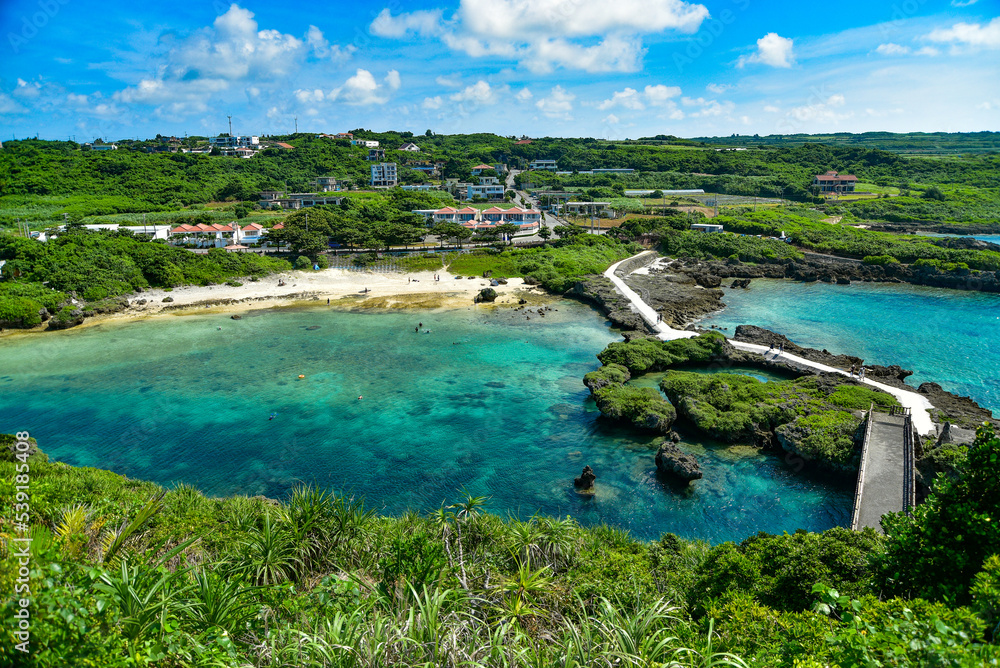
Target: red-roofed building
point(283, 145)
point(831, 182)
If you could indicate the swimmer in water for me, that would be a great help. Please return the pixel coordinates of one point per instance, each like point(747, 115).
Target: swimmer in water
point(360, 397)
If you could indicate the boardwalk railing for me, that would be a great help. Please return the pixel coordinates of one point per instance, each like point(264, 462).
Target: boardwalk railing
point(909, 488)
point(856, 511)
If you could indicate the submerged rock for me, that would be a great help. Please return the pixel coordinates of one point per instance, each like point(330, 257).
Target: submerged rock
point(740, 283)
point(670, 459)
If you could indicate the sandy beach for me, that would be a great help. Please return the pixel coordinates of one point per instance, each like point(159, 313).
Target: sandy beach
point(343, 288)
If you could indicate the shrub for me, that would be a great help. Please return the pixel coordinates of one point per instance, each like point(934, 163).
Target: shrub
point(936, 552)
point(19, 312)
point(302, 262)
point(879, 259)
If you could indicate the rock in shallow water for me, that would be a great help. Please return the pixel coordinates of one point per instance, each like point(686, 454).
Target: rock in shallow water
point(586, 479)
point(670, 459)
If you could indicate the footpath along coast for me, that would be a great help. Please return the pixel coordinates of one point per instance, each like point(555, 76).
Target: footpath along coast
point(918, 404)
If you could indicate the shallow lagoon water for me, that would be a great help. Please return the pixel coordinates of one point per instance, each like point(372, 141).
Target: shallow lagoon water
point(487, 401)
point(950, 337)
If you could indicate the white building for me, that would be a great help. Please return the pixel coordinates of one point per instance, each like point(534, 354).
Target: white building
point(234, 142)
point(543, 164)
point(489, 191)
point(385, 175)
point(367, 143)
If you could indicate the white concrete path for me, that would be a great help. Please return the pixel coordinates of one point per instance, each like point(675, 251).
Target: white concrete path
point(917, 403)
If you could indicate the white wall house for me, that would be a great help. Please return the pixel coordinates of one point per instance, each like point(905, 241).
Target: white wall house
point(543, 164)
point(385, 175)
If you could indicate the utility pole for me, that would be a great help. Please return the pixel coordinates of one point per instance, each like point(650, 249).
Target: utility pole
point(230, 117)
point(296, 125)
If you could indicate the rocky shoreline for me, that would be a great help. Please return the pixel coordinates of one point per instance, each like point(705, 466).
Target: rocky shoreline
point(843, 271)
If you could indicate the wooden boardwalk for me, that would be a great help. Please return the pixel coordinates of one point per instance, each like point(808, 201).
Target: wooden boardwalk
point(885, 479)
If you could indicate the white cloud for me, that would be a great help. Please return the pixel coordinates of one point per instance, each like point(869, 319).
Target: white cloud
point(821, 111)
point(524, 95)
point(478, 93)
point(558, 104)
point(706, 108)
point(773, 50)
point(454, 81)
point(309, 96)
point(323, 49)
point(718, 89)
point(208, 62)
point(589, 35)
point(659, 94)
point(510, 19)
point(362, 89)
point(610, 119)
point(630, 98)
point(771, 109)
point(891, 49)
point(963, 3)
point(27, 90)
point(421, 22)
point(970, 34)
point(432, 102)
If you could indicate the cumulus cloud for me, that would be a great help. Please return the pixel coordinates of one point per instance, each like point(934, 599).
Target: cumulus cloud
point(421, 22)
point(524, 95)
point(704, 108)
point(232, 54)
point(610, 119)
point(432, 102)
point(985, 35)
point(454, 81)
point(363, 89)
point(718, 89)
point(589, 35)
point(773, 50)
point(323, 49)
point(558, 104)
point(480, 93)
point(630, 98)
point(824, 110)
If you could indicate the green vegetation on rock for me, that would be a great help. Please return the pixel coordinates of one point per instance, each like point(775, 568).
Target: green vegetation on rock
point(807, 415)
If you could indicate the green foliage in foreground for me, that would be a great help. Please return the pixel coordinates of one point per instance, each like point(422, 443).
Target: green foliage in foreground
point(123, 573)
point(936, 552)
point(810, 416)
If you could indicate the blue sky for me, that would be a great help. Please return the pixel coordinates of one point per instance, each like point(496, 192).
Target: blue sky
point(596, 68)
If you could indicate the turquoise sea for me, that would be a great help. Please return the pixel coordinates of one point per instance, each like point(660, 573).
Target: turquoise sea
point(949, 337)
point(487, 401)
point(994, 238)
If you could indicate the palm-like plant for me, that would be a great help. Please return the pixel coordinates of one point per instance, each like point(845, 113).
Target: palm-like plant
point(269, 554)
point(220, 602)
point(146, 596)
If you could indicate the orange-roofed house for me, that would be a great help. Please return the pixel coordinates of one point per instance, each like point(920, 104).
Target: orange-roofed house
point(832, 182)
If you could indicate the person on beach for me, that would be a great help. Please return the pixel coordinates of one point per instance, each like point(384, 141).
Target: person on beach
point(862, 374)
point(771, 348)
point(781, 348)
point(852, 370)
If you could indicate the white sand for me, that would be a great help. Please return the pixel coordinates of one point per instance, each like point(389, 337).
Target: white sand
point(341, 287)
